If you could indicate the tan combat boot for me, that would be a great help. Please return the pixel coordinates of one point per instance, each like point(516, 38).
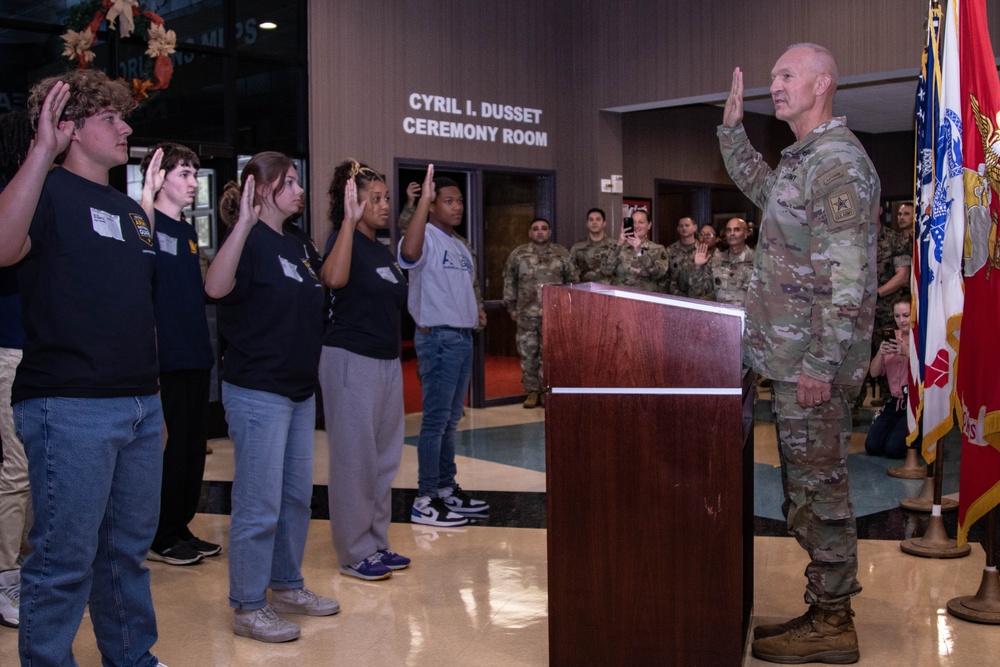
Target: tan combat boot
point(532, 400)
point(827, 636)
point(775, 629)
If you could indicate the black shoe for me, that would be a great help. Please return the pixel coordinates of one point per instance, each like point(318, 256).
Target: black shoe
point(206, 549)
point(179, 554)
point(458, 501)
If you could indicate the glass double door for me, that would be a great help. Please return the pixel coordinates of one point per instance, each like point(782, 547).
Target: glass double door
point(500, 205)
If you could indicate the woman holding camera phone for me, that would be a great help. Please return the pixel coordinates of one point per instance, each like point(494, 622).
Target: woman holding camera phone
point(635, 261)
point(887, 435)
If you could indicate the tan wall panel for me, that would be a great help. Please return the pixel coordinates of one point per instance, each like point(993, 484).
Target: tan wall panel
point(572, 59)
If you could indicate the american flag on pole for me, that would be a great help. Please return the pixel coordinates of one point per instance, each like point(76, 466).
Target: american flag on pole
point(979, 365)
point(936, 282)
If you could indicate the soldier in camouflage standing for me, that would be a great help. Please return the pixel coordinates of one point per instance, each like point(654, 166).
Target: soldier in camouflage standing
point(589, 253)
point(635, 261)
point(894, 255)
point(725, 276)
point(528, 269)
point(680, 256)
point(810, 310)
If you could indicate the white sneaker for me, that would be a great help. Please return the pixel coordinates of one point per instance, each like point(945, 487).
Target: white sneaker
point(264, 625)
point(433, 512)
point(458, 501)
point(302, 601)
point(10, 598)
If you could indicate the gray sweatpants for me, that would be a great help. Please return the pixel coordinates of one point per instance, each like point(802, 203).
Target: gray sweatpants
point(363, 405)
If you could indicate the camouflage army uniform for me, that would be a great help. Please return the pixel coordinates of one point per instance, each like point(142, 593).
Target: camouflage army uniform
point(724, 278)
point(528, 268)
point(644, 269)
point(588, 256)
point(681, 258)
point(894, 251)
point(810, 309)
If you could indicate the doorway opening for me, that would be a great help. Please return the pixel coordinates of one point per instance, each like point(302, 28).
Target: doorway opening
point(500, 204)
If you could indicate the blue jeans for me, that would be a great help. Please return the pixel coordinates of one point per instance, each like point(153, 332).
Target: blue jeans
point(887, 435)
point(444, 363)
point(94, 466)
point(272, 490)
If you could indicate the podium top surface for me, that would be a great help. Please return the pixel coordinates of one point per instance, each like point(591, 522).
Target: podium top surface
point(603, 339)
point(665, 299)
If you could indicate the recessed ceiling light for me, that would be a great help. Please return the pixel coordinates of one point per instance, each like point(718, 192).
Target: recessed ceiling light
point(268, 25)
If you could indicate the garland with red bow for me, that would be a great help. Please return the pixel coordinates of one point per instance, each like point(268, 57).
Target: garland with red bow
point(81, 33)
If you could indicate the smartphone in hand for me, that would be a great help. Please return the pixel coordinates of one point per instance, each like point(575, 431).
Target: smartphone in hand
point(629, 226)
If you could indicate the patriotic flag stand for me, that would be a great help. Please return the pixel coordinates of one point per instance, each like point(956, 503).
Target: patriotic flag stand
point(978, 390)
point(984, 606)
point(936, 281)
point(927, 498)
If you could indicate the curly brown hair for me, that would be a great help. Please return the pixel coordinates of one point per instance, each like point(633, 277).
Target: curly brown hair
point(90, 91)
point(362, 174)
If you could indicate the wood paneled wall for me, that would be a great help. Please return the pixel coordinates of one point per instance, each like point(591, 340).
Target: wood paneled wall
point(573, 59)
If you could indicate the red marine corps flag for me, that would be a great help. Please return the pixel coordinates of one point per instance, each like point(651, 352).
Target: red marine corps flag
point(979, 361)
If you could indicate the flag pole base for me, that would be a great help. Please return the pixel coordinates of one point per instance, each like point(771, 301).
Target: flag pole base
point(935, 543)
point(911, 468)
point(924, 501)
point(984, 606)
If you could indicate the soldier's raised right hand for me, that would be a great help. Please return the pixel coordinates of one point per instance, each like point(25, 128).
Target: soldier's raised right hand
point(733, 115)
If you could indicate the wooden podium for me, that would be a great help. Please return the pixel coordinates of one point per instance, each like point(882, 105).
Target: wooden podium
point(649, 455)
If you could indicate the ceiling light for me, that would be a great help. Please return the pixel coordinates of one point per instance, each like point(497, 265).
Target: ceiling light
point(268, 25)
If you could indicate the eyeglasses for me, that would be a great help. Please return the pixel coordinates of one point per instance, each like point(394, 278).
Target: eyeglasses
point(707, 235)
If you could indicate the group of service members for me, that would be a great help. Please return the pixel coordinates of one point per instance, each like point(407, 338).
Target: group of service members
point(691, 267)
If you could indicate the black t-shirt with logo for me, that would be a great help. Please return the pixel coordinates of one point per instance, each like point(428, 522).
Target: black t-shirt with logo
point(365, 313)
point(273, 318)
point(87, 294)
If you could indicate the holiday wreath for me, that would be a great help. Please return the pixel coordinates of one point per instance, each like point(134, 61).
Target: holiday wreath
point(81, 34)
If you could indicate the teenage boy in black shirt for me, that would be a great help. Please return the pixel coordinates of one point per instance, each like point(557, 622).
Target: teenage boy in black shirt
point(85, 395)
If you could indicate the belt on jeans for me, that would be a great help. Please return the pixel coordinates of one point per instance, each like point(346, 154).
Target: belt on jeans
point(443, 328)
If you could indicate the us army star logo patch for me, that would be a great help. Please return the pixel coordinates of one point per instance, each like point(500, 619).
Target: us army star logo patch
point(842, 207)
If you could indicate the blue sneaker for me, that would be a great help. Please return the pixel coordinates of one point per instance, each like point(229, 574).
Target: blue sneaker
point(369, 569)
point(393, 560)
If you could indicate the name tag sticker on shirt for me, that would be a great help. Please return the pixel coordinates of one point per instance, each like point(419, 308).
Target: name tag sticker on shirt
point(106, 224)
point(386, 274)
point(168, 244)
point(290, 270)
point(143, 230)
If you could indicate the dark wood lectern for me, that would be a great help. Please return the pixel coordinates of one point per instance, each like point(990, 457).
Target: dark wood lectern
point(649, 454)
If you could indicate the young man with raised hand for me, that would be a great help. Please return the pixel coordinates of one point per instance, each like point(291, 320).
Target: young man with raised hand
point(443, 305)
point(185, 355)
point(85, 397)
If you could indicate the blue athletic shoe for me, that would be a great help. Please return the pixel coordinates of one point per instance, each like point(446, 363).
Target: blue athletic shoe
point(369, 569)
point(393, 560)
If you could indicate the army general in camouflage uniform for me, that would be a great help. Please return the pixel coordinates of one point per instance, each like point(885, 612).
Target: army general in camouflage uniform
point(528, 269)
point(810, 309)
point(726, 276)
point(589, 254)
